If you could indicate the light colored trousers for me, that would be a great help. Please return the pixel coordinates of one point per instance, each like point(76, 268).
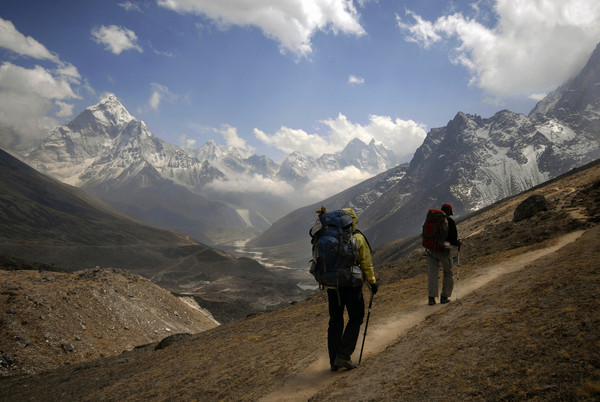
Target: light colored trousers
point(434, 259)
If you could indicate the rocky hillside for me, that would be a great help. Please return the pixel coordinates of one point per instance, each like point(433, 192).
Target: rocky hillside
point(525, 326)
point(474, 161)
point(50, 319)
point(470, 163)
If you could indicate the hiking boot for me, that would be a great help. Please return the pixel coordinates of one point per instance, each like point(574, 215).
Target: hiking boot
point(444, 300)
point(334, 367)
point(431, 301)
point(345, 363)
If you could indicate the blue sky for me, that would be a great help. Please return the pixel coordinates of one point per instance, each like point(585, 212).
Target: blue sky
point(274, 76)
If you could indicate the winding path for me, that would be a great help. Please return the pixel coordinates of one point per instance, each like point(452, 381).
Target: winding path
point(301, 386)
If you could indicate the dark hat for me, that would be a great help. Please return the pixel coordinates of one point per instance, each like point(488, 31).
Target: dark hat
point(447, 208)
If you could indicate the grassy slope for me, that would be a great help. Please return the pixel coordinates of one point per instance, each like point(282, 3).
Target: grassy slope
point(534, 333)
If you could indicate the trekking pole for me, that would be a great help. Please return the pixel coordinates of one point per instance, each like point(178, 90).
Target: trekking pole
point(458, 271)
point(366, 325)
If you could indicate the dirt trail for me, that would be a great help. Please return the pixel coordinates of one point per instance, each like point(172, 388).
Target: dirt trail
point(303, 385)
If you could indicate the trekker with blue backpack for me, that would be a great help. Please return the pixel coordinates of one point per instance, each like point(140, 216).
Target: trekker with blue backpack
point(341, 262)
point(439, 233)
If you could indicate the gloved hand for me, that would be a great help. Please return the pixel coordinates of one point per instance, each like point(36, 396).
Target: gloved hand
point(374, 288)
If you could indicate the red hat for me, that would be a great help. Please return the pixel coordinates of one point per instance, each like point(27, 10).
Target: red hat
point(447, 208)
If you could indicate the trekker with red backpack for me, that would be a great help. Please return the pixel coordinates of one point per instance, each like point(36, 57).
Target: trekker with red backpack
point(439, 232)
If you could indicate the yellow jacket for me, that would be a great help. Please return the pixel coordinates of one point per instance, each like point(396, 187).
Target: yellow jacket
point(363, 253)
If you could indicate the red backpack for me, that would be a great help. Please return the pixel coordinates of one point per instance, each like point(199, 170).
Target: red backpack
point(435, 230)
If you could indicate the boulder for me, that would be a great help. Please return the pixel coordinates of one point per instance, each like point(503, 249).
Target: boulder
point(530, 207)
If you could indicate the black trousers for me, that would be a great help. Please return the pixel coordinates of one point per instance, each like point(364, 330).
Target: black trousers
point(341, 341)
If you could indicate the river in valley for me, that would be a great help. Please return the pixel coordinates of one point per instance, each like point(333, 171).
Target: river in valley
point(298, 275)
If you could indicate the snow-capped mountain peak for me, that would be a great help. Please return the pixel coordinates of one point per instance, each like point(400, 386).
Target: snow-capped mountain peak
point(111, 109)
point(108, 116)
point(296, 167)
point(209, 151)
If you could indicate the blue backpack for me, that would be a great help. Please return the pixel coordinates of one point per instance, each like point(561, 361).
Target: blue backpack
point(334, 251)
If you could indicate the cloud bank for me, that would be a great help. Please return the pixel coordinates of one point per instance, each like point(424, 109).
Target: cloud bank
point(31, 99)
point(322, 184)
point(528, 50)
point(402, 137)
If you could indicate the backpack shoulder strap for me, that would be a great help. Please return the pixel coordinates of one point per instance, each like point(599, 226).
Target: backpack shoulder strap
point(365, 237)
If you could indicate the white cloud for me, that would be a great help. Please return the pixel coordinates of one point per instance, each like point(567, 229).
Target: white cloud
point(535, 46)
point(130, 6)
point(163, 53)
point(289, 140)
point(537, 97)
point(159, 92)
point(28, 96)
point(232, 138)
point(23, 45)
point(354, 80)
point(326, 184)
point(253, 184)
point(22, 117)
point(322, 185)
point(26, 99)
point(116, 39)
point(37, 81)
point(69, 72)
point(292, 23)
point(65, 109)
point(402, 137)
point(186, 142)
point(27, 46)
point(154, 100)
point(422, 32)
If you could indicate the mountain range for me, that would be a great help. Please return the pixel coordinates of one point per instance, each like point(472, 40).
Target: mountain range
point(470, 163)
point(194, 191)
point(44, 221)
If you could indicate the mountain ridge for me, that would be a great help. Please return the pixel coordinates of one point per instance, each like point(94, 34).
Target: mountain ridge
point(43, 220)
point(473, 162)
point(105, 147)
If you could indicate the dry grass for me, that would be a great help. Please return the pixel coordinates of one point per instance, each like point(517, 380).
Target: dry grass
point(532, 334)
